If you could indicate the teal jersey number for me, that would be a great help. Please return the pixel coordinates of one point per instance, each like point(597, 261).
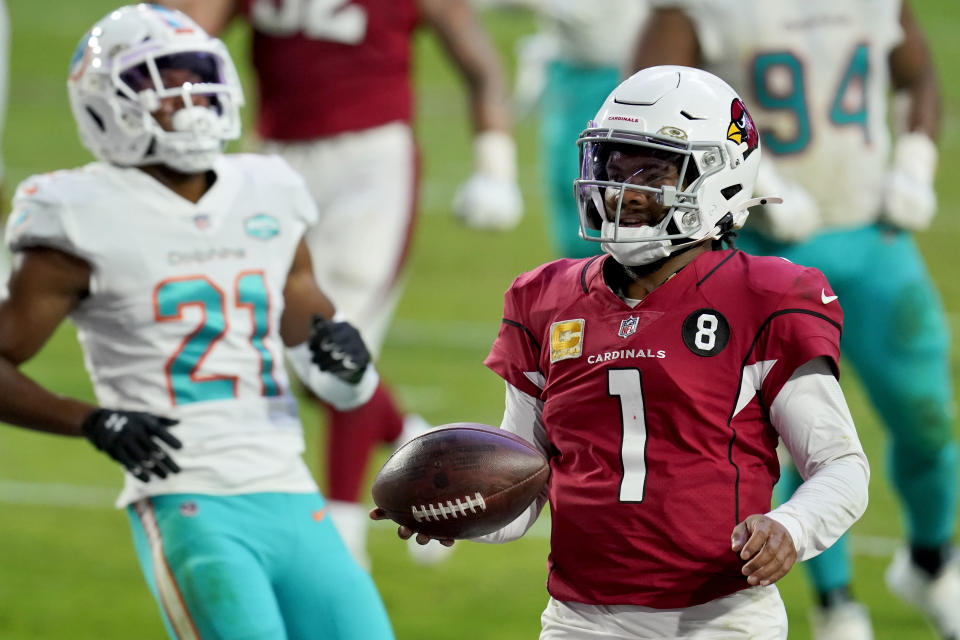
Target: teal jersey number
point(854, 80)
point(841, 113)
point(793, 100)
point(183, 381)
point(252, 294)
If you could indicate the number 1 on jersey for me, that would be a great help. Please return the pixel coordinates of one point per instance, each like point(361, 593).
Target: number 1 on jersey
point(625, 384)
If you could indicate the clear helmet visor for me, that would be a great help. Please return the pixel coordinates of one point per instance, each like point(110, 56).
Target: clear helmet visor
point(187, 100)
point(632, 182)
point(197, 77)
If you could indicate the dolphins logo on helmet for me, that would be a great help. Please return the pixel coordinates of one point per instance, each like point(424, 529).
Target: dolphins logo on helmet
point(742, 128)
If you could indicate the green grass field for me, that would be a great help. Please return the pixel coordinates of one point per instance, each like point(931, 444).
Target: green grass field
point(67, 566)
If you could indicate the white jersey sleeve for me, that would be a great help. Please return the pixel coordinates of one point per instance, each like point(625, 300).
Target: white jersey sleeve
point(40, 218)
point(812, 418)
point(523, 416)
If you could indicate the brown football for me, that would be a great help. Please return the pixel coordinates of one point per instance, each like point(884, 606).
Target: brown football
point(460, 480)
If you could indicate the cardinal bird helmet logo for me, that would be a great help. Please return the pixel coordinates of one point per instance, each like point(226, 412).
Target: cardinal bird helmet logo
point(741, 127)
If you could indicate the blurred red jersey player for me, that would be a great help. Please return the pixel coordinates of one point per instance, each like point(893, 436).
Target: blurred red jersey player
point(335, 100)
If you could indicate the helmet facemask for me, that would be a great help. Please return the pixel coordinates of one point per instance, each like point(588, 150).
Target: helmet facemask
point(638, 194)
point(686, 117)
point(196, 133)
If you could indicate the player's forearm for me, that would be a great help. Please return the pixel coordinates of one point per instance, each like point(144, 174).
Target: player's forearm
point(668, 37)
point(914, 79)
point(520, 525)
point(812, 417)
point(923, 115)
point(522, 416)
point(825, 505)
point(25, 403)
point(470, 48)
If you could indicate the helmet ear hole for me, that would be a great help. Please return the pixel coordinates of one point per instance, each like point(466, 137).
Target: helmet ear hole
point(96, 119)
point(732, 190)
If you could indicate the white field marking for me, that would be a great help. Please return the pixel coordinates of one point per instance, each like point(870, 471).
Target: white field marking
point(408, 332)
point(57, 495)
point(471, 336)
point(89, 497)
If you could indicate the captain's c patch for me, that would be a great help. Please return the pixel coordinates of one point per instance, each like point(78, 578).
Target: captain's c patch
point(566, 339)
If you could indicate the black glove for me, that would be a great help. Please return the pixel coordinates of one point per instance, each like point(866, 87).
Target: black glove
point(338, 349)
point(130, 438)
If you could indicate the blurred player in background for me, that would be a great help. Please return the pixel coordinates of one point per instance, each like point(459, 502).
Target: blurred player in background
point(186, 273)
point(657, 380)
point(335, 100)
point(819, 74)
point(578, 55)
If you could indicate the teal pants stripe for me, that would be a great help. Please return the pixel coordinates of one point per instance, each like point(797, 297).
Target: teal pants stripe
point(571, 98)
point(253, 567)
point(896, 338)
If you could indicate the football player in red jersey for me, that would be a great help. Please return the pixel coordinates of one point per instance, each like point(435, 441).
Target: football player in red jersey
point(335, 100)
point(659, 378)
point(821, 75)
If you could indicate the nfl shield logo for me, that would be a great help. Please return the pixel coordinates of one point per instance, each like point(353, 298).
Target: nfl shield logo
point(202, 220)
point(628, 327)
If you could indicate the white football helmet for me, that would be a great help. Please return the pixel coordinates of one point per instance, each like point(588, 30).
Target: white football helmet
point(117, 81)
point(683, 139)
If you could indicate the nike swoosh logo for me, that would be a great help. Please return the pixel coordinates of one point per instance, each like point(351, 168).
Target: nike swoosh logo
point(824, 298)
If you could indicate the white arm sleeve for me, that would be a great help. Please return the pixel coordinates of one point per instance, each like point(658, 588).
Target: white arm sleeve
point(812, 418)
point(342, 395)
point(522, 416)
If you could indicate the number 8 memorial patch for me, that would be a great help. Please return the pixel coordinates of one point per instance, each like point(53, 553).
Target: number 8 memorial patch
point(706, 332)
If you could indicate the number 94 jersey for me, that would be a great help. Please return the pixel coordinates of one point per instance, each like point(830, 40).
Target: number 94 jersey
point(815, 75)
point(656, 415)
point(183, 313)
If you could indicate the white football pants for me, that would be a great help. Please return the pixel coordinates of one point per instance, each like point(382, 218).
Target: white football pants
point(756, 613)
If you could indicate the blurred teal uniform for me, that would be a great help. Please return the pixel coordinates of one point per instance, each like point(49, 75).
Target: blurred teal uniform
point(817, 79)
point(579, 56)
point(258, 566)
point(571, 97)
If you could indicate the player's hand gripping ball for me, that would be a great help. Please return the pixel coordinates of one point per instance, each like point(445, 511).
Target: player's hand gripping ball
point(460, 480)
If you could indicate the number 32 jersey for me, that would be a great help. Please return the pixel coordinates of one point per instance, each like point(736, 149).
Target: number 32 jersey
point(656, 415)
point(325, 67)
point(183, 314)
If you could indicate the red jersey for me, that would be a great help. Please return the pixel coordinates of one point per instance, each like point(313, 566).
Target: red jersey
point(328, 66)
point(656, 415)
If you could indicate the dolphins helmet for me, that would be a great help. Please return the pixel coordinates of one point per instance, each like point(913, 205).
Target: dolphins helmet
point(117, 80)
